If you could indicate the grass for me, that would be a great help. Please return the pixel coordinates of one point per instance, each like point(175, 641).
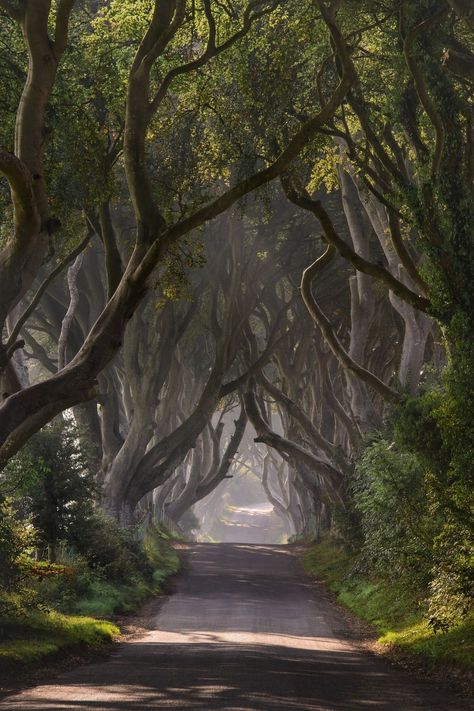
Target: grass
point(104, 598)
point(395, 612)
point(41, 634)
point(29, 635)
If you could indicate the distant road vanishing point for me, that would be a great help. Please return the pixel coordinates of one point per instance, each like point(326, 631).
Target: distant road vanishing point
point(244, 631)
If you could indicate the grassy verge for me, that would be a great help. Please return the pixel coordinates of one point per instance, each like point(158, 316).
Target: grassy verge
point(106, 598)
point(394, 611)
point(33, 632)
point(43, 634)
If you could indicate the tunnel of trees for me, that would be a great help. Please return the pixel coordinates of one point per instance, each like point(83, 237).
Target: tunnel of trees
point(238, 236)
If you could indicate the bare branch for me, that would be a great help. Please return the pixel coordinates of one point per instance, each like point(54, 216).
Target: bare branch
point(300, 416)
point(317, 467)
point(42, 288)
point(330, 336)
point(220, 473)
point(363, 265)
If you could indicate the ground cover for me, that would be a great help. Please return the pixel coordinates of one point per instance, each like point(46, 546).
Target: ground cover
point(58, 606)
point(396, 612)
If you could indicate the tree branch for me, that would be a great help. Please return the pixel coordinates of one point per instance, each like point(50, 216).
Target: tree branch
point(42, 288)
point(62, 26)
point(19, 179)
point(300, 416)
point(421, 88)
point(72, 274)
point(464, 10)
point(219, 474)
point(328, 332)
point(355, 95)
point(211, 50)
point(330, 475)
point(331, 237)
point(302, 137)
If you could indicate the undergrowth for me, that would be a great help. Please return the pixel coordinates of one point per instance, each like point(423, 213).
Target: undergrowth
point(396, 611)
point(40, 634)
point(54, 606)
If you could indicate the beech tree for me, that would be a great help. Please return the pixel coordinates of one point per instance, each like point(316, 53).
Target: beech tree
point(169, 27)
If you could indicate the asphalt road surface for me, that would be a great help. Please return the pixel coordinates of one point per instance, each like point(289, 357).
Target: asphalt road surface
point(244, 631)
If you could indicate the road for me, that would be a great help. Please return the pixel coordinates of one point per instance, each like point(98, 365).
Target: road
point(244, 631)
point(252, 524)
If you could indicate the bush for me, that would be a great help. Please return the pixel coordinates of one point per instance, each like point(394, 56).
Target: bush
point(63, 584)
point(161, 556)
point(452, 584)
point(112, 551)
point(390, 496)
point(407, 512)
point(15, 544)
point(438, 429)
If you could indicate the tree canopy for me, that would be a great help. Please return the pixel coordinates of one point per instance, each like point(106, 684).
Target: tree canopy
point(240, 235)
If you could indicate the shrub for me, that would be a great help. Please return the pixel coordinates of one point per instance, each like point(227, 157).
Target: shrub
point(15, 543)
point(452, 584)
point(161, 556)
point(389, 493)
point(53, 487)
point(113, 551)
point(60, 586)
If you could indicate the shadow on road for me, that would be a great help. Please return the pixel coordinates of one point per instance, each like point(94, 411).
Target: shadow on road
point(210, 677)
point(244, 631)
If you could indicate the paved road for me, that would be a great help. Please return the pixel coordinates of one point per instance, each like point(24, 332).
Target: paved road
point(257, 523)
point(245, 631)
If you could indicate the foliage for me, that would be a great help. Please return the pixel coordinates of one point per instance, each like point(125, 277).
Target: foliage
point(428, 427)
point(395, 611)
point(104, 598)
point(101, 568)
point(389, 493)
point(109, 549)
point(406, 518)
point(53, 486)
point(451, 590)
point(43, 634)
point(109, 570)
point(161, 555)
point(409, 514)
point(15, 543)
point(33, 623)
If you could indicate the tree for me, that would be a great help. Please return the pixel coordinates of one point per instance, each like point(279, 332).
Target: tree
point(25, 411)
point(56, 490)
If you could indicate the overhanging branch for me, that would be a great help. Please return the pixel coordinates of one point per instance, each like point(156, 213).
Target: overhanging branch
point(330, 336)
point(332, 238)
point(42, 288)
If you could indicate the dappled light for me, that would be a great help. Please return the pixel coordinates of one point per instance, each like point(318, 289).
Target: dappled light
point(236, 354)
point(243, 514)
point(294, 681)
point(251, 634)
